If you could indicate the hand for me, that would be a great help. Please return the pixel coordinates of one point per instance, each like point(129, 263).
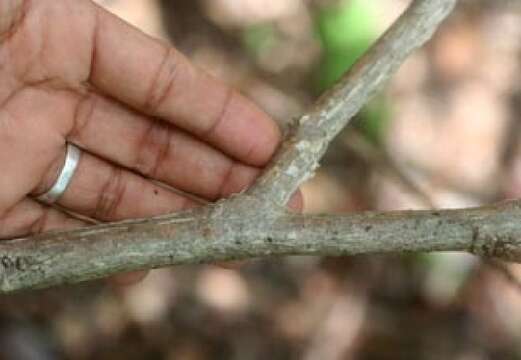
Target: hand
point(72, 72)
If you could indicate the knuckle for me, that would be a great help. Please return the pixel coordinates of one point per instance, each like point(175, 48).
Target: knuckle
point(111, 196)
point(225, 180)
point(84, 112)
point(40, 223)
point(153, 149)
point(163, 81)
point(221, 115)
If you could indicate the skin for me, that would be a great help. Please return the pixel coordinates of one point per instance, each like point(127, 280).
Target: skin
point(142, 114)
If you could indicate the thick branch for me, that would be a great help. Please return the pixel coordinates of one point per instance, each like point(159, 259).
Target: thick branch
point(249, 225)
point(220, 235)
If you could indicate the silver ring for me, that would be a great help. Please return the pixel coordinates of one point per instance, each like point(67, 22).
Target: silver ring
point(72, 159)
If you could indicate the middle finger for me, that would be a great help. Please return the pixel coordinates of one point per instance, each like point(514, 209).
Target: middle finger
point(155, 149)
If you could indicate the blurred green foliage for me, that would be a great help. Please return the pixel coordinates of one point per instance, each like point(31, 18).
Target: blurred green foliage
point(259, 38)
point(346, 30)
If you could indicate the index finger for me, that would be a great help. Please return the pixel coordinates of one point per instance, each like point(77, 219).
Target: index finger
point(158, 80)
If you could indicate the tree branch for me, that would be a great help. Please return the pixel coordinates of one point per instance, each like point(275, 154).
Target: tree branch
point(255, 223)
point(230, 231)
point(308, 140)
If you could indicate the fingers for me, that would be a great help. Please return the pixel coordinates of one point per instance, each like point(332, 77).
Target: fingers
point(107, 192)
point(159, 81)
point(28, 143)
point(156, 149)
point(28, 217)
point(32, 149)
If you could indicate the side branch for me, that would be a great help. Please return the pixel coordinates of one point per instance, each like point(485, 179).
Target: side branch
point(299, 156)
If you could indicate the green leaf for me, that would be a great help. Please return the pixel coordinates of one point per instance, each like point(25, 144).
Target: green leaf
point(346, 31)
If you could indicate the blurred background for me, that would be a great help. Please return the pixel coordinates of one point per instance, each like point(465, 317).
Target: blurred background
point(445, 133)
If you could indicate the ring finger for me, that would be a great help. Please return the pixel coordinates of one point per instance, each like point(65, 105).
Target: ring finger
point(106, 192)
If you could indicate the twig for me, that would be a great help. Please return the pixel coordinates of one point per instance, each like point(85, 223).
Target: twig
point(299, 156)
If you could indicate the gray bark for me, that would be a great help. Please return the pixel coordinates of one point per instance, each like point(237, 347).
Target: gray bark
point(255, 223)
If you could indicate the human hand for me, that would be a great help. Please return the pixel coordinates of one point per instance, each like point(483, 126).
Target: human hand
point(72, 72)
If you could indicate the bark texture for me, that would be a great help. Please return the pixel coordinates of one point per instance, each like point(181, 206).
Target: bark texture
point(255, 223)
